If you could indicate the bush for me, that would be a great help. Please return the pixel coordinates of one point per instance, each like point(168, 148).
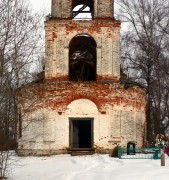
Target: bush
point(115, 152)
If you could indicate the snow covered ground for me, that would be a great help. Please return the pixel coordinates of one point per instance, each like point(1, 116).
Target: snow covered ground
point(94, 167)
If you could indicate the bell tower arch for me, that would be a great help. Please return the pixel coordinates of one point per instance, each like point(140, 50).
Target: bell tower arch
point(82, 58)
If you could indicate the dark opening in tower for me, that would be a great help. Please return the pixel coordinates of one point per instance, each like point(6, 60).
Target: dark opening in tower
point(82, 9)
point(82, 58)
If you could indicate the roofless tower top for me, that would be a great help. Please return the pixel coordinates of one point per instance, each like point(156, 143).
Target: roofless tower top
point(99, 8)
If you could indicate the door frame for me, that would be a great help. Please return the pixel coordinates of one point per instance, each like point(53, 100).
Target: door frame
point(71, 119)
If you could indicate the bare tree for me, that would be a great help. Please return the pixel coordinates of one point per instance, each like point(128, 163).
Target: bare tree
point(3, 163)
point(145, 55)
point(20, 46)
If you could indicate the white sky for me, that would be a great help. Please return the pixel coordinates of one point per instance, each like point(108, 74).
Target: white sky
point(41, 5)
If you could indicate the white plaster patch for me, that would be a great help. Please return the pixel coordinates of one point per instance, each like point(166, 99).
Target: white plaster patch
point(82, 107)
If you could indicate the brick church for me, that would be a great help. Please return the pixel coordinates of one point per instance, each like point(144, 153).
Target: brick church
point(81, 103)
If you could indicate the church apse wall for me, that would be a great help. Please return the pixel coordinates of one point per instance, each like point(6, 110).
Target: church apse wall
point(118, 116)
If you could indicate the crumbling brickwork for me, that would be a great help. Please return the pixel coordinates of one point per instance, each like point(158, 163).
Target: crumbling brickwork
point(119, 114)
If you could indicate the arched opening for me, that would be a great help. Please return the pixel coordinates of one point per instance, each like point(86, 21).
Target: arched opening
point(82, 58)
point(82, 9)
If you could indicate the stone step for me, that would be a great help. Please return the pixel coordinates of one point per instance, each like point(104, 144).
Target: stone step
point(81, 153)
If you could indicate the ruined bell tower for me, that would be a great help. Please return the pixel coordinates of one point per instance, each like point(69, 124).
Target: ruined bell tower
point(82, 41)
point(82, 103)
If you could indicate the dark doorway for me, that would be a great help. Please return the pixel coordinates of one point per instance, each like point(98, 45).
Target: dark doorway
point(82, 58)
point(81, 133)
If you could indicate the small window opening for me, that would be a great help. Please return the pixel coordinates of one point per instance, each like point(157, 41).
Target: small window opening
point(82, 58)
point(82, 10)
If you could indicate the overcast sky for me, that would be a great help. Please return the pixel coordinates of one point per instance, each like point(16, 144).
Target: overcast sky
point(39, 5)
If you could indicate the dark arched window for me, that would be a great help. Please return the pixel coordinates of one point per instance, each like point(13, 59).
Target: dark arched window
point(82, 9)
point(82, 58)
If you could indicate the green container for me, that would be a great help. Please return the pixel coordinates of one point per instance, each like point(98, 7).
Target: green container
point(156, 152)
